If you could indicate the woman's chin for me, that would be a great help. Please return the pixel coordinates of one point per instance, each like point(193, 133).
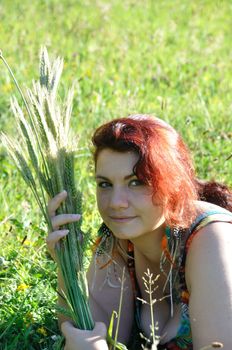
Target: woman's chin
point(124, 234)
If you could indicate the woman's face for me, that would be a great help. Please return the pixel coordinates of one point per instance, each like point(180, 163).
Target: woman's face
point(125, 203)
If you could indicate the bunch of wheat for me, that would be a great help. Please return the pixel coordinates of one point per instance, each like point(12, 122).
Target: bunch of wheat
point(45, 158)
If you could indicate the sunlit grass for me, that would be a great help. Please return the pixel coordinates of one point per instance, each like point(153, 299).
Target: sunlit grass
point(168, 58)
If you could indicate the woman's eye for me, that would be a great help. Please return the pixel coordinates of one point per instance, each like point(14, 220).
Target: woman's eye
point(104, 184)
point(136, 182)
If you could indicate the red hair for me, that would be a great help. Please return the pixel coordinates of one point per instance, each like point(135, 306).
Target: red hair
point(164, 162)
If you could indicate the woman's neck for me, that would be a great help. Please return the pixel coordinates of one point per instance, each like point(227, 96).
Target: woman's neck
point(149, 245)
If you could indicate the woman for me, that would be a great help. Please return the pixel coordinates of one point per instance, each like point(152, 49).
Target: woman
point(155, 216)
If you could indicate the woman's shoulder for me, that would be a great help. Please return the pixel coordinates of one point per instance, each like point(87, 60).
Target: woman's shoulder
point(211, 223)
point(209, 248)
point(206, 207)
point(208, 276)
point(209, 239)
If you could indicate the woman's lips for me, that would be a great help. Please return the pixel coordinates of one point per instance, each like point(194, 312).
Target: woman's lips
point(122, 218)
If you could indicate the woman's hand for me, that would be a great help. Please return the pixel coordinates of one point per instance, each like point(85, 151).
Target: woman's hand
point(57, 221)
point(77, 339)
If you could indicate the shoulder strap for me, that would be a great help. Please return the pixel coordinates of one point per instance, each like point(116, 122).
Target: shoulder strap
point(204, 219)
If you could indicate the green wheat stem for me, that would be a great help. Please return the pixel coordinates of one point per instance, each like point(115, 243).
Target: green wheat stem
point(26, 106)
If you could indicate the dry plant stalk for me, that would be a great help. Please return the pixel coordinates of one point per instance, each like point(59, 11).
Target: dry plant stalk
point(45, 159)
point(213, 345)
point(149, 282)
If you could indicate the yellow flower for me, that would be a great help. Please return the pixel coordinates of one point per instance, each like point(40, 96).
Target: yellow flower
point(29, 316)
point(22, 286)
point(27, 242)
point(88, 72)
point(42, 331)
point(7, 87)
point(29, 319)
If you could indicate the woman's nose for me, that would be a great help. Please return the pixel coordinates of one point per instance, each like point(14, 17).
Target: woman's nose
point(119, 198)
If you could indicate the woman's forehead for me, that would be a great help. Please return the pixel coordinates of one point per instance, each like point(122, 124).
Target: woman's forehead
point(109, 160)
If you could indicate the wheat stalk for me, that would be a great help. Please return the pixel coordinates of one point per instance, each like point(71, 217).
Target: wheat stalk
point(45, 159)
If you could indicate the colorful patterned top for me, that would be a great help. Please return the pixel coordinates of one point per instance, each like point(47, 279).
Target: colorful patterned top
point(173, 243)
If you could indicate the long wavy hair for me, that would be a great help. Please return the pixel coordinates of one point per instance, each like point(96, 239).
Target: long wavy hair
point(164, 164)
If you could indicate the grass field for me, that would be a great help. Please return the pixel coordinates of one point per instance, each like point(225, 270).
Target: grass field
point(168, 58)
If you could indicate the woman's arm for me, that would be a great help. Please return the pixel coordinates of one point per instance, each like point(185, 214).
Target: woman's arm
point(209, 281)
point(104, 290)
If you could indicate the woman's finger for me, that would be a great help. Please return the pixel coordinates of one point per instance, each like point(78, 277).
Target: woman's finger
point(54, 237)
point(55, 203)
point(67, 327)
point(62, 219)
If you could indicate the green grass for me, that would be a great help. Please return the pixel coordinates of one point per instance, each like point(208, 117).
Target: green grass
point(169, 58)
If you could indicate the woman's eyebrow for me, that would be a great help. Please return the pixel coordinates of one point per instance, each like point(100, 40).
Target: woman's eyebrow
point(101, 177)
point(127, 177)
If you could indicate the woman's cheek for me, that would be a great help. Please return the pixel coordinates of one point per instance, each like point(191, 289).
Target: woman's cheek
point(102, 201)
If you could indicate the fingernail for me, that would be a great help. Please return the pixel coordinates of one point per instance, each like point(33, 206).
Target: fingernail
point(77, 216)
point(66, 232)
